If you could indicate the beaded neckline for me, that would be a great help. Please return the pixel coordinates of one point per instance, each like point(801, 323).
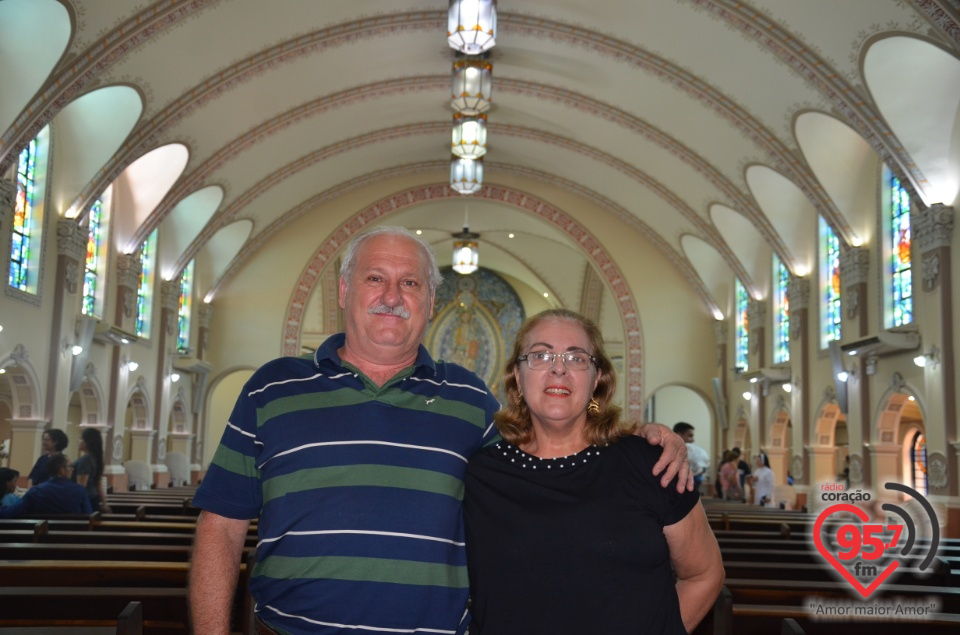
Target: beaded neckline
point(512, 454)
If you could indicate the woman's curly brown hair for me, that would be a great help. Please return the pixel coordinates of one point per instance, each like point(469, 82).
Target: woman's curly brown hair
point(513, 420)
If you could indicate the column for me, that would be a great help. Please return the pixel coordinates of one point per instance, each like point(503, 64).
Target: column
point(798, 294)
point(128, 282)
point(822, 464)
point(71, 256)
point(757, 320)
point(932, 234)
point(854, 270)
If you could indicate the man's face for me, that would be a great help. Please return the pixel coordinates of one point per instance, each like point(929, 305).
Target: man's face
point(687, 436)
point(388, 302)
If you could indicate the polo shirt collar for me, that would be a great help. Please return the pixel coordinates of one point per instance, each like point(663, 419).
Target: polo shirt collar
point(328, 351)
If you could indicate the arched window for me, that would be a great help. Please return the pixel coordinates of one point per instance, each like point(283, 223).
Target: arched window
point(742, 336)
point(183, 313)
point(95, 266)
point(918, 459)
point(781, 312)
point(27, 235)
point(897, 275)
point(829, 285)
point(148, 266)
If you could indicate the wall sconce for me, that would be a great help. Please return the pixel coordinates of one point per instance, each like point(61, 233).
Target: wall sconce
point(787, 387)
point(132, 365)
point(174, 377)
point(73, 349)
point(845, 375)
point(931, 358)
point(747, 395)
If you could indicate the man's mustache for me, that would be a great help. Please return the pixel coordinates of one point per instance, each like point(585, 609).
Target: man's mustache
point(383, 309)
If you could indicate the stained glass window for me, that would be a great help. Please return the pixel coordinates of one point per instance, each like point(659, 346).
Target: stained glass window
point(918, 458)
point(148, 264)
point(901, 279)
point(183, 313)
point(741, 339)
point(829, 285)
point(781, 312)
point(93, 267)
point(23, 219)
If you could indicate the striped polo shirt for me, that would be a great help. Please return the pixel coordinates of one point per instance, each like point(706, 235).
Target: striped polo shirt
point(358, 489)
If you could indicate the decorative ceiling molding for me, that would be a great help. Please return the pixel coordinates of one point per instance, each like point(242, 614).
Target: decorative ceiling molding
point(594, 251)
point(685, 81)
point(677, 259)
point(147, 134)
point(944, 15)
point(854, 105)
point(70, 80)
point(227, 215)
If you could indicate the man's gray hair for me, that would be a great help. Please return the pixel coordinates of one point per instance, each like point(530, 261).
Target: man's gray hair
point(350, 254)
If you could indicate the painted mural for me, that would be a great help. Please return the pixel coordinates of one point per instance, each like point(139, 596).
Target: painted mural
point(476, 317)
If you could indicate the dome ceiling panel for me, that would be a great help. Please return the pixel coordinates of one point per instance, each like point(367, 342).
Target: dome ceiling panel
point(846, 166)
point(917, 88)
point(790, 213)
point(26, 60)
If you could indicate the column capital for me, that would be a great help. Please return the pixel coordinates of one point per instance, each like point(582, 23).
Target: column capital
point(170, 294)
point(854, 266)
point(798, 294)
point(933, 228)
point(128, 270)
point(71, 240)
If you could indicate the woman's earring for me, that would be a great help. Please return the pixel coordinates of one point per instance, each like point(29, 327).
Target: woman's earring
point(519, 397)
point(594, 407)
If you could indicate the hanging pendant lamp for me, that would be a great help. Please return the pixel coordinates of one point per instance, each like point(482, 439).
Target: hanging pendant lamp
point(472, 25)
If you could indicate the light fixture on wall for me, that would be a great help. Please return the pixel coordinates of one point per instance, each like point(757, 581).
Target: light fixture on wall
point(747, 395)
point(930, 358)
point(466, 175)
point(69, 347)
point(472, 25)
point(132, 365)
point(174, 377)
point(471, 86)
point(466, 253)
point(469, 136)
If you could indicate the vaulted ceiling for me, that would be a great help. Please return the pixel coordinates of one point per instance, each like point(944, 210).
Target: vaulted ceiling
point(718, 130)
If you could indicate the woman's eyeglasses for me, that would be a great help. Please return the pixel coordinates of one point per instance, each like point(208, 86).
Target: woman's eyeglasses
point(573, 360)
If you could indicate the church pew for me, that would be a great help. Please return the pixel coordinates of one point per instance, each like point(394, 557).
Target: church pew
point(759, 605)
point(92, 573)
point(108, 537)
point(143, 552)
point(107, 621)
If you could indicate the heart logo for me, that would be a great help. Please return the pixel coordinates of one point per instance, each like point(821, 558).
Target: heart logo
point(829, 557)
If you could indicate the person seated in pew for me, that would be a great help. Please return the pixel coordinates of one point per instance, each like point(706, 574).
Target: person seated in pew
point(8, 485)
point(52, 442)
point(57, 495)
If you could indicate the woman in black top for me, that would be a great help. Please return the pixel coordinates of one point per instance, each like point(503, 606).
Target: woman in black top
point(567, 530)
point(88, 469)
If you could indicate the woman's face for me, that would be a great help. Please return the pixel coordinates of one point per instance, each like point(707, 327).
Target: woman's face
point(46, 444)
point(557, 396)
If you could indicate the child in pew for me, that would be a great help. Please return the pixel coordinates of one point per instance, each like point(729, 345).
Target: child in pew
point(8, 485)
point(57, 495)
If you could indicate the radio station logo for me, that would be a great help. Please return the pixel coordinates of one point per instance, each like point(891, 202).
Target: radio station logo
point(866, 553)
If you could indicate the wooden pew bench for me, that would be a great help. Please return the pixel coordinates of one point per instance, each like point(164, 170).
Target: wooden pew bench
point(33, 611)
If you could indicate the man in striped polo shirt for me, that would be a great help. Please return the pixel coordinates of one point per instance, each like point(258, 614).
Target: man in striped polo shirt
point(353, 462)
